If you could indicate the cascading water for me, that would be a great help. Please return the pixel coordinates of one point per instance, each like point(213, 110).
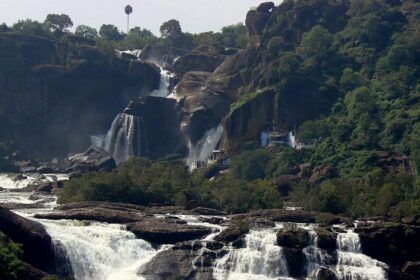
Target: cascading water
point(100, 251)
point(204, 148)
point(315, 257)
point(352, 264)
point(123, 140)
point(261, 259)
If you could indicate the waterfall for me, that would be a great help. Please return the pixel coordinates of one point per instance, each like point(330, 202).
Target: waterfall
point(165, 79)
point(123, 139)
point(315, 257)
point(100, 251)
point(291, 138)
point(260, 259)
point(352, 264)
point(205, 146)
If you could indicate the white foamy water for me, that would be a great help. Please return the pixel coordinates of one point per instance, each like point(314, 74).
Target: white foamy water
point(100, 251)
point(352, 264)
point(261, 259)
point(204, 148)
point(165, 79)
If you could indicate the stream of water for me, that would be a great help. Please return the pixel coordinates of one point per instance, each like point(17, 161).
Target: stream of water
point(100, 251)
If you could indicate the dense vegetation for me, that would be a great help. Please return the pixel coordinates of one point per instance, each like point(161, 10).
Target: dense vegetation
point(11, 265)
point(359, 59)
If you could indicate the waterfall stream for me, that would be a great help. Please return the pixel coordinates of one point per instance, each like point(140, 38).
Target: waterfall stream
point(101, 251)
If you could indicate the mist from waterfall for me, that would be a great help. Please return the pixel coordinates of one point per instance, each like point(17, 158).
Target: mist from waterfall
point(204, 148)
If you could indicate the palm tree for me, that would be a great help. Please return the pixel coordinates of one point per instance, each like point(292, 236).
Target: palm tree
point(128, 10)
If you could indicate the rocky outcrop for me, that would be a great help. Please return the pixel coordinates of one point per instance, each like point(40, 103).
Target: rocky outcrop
point(232, 233)
point(96, 213)
point(160, 122)
point(327, 239)
point(67, 90)
point(412, 268)
point(298, 216)
point(191, 83)
point(93, 159)
point(37, 244)
point(183, 261)
point(392, 243)
point(203, 62)
point(322, 173)
point(296, 238)
point(256, 21)
point(166, 231)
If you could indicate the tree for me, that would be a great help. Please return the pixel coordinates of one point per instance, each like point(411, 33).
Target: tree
point(58, 23)
point(171, 29)
point(86, 31)
point(29, 27)
point(4, 28)
point(110, 32)
point(234, 36)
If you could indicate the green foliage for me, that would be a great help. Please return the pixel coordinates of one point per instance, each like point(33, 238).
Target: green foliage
point(234, 36)
point(251, 165)
point(11, 265)
point(30, 27)
point(58, 23)
point(86, 31)
point(171, 29)
point(110, 32)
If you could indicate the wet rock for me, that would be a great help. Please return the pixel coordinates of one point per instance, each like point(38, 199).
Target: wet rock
point(207, 212)
point(297, 216)
point(412, 268)
point(326, 239)
point(211, 220)
point(239, 243)
point(177, 263)
point(296, 238)
point(93, 159)
point(326, 274)
point(232, 233)
point(37, 244)
point(295, 262)
point(106, 205)
point(163, 231)
point(45, 169)
point(392, 243)
point(96, 213)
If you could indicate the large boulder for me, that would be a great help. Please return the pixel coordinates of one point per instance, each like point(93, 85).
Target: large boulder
point(327, 239)
point(191, 83)
point(37, 244)
point(233, 233)
point(322, 173)
point(183, 261)
point(296, 238)
point(204, 62)
point(166, 231)
point(412, 268)
point(392, 243)
point(159, 128)
point(93, 159)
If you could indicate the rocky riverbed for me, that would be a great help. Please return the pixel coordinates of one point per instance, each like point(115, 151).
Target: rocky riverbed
point(100, 240)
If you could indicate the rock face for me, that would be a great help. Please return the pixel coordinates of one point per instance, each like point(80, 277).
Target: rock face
point(203, 62)
point(178, 263)
point(67, 90)
point(392, 243)
point(159, 131)
point(164, 231)
point(37, 244)
point(326, 239)
point(93, 159)
point(256, 21)
point(295, 238)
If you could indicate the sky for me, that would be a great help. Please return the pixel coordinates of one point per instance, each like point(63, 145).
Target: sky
point(194, 15)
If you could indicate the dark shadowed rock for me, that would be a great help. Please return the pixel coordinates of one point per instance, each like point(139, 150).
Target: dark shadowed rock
point(392, 243)
point(322, 173)
point(326, 239)
point(37, 244)
point(265, 7)
point(326, 274)
point(232, 233)
point(296, 238)
point(93, 159)
point(164, 231)
point(412, 268)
